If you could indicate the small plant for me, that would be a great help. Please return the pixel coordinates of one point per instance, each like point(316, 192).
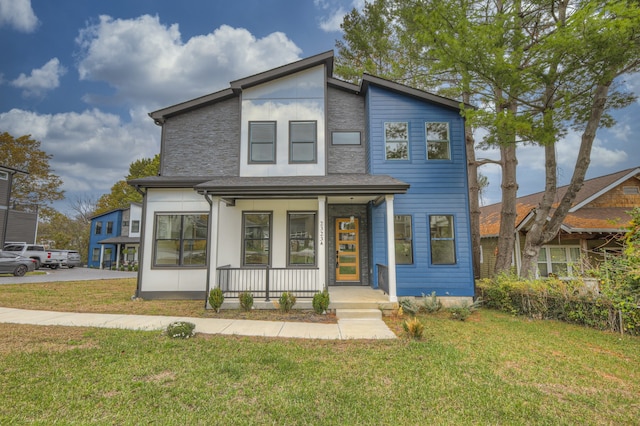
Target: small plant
point(409, 306)
point(431, 304)
point(414, 328)
point(216, 298)
point(246, 301)
point(287, 300)
point(181, 330)
point(321, 302)
point(464, 310)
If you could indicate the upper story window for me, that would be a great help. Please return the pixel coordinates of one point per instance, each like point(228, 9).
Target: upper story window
point(4, 175)
point(98, 228)
point(630, 190)
point(303, 136)
point(396, 141)
point(262, 141)
point(109, 227)
point(135, 226)
point(345, 138)
point(438, 146)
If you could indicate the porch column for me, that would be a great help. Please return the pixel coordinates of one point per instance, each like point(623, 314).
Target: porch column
point(321, 250)
point(214, 221)
point(101, 256)
point(117, 256)
point(391, 248)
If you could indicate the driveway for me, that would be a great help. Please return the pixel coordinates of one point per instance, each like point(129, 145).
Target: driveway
point(65, 274)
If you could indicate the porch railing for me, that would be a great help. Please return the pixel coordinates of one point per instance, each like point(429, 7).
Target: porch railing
point(383, 277)
point(269, 282)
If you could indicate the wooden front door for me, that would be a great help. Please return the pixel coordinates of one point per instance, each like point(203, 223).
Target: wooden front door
point(347, 250)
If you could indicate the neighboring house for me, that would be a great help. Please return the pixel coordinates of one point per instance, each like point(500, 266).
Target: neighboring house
point(15, 223)
point(115, 237)
point(292, 180)
point(598, 217)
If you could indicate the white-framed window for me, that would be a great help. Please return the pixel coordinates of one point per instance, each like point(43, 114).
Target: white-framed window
point(443, 241)
point(403, 232)
point(303, 136)
point(302, 237)
point(135, 226)
point(256, 238)
point(4, 175)
point(630, 190)
point(262, 142)
point(346, 138)
point(438, 142)
point(180, 240)
point(559, 261)
point(396, 140)
point(95, 255)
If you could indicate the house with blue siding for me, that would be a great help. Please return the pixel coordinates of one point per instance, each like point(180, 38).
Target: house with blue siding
point(293, 180)
point(115, 238)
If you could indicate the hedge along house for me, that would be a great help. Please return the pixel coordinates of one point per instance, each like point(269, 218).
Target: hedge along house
point(292, 180)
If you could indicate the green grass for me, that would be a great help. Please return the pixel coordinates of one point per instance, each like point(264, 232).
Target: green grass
point(490, 369)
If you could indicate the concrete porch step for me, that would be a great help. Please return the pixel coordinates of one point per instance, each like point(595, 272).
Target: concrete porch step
point(366, 314)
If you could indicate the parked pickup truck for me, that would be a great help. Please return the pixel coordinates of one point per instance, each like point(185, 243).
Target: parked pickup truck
point(49, 258)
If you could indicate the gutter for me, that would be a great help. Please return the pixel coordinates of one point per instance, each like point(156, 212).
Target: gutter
point(208, 281)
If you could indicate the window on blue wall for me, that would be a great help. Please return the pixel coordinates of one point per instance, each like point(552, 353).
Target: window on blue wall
point(403, 239)
point(181, 240)
point(262, 141)
point(438, 145)
point(396, 141)
point(443, 243)
point(256, 238)
point(109, 228)
point(302, 235)
point(98, 228)
point(95, 255)
point(302, 138)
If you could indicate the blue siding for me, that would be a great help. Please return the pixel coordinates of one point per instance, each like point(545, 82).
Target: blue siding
point(437, 187)
point(114, 216)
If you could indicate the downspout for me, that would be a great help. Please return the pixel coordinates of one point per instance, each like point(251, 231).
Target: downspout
point(143, 226)
point(6, 216)
point(207, 284)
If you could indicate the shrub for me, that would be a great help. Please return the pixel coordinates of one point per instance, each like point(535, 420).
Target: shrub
point(464, 310)
point(321, 302)
point(246, 301)
point(181, 330)
point(287, 300)
point(414, 328)
point(431, 304)
point(409, 306)
point(216, 298)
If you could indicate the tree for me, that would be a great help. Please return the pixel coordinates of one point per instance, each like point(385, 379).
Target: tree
point(40, 187)
point(122, 194)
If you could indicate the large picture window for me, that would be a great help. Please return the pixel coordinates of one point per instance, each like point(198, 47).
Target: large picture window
point(302, 137)
point(256, 238)
point(443, 244)
point(438, 141)
point(396, 141)
point(403, 239)
point(560, 261)
point(262, 141)
point(302, 232)
point(181, 240)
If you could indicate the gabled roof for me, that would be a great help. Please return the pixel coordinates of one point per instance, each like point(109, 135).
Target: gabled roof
point(325, 58)
point(579, 218)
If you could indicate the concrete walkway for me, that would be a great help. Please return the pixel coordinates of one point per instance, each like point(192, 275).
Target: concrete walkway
point(343, 330)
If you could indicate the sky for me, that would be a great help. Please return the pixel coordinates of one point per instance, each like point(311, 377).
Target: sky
point(81, 77)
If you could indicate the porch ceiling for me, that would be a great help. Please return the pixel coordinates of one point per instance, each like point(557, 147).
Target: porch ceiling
point(343, 186)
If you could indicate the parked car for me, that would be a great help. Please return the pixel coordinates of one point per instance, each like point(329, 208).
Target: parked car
point(70, 258)
point(13, 263)
point(43, 257)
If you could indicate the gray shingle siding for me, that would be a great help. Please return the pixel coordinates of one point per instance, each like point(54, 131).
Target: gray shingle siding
point(345, 111)
point(203, 142)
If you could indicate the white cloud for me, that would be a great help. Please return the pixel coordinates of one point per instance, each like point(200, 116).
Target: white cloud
point(41, 79)
point(333, 21)
point(18, 14)
point(91, 150)
point(337, 9)
point(148, 64)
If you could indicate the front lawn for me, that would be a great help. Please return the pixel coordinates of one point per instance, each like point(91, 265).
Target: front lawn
point(490, 369)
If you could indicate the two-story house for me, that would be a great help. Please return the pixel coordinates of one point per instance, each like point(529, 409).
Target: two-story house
point(293, 180)
point(16, 223)
point(115, 237)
